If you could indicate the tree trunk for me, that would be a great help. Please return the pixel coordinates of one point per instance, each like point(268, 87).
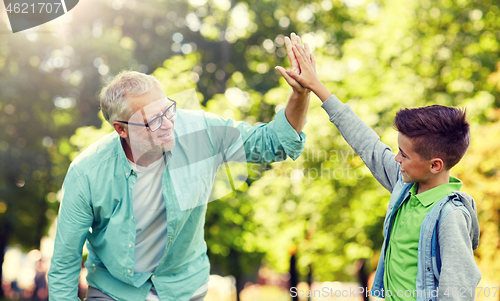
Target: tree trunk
point(310, 278)
point(362, 277)
point(294, 280)
point(4, 239)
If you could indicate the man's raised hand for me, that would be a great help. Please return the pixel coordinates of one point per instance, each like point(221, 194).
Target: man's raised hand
point(294, 65)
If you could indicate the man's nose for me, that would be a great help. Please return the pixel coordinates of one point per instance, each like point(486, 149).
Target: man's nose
point(167, 123)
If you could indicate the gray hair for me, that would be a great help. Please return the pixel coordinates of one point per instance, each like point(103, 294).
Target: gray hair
point(114, 96)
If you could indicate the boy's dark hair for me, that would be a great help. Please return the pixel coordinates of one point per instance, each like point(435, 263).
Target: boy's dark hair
point(436, 131)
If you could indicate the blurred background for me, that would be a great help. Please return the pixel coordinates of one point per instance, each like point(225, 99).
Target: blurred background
point(316, 222)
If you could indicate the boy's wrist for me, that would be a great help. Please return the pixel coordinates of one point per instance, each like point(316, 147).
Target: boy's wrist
point(321, 91)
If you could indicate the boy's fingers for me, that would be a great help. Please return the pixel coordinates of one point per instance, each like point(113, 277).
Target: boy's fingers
point(313, 62)
point(298, 55)
point(308, 50)
point(303, 63)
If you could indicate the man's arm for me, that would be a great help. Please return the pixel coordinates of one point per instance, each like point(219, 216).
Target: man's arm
point(296, 110)
point(459, 272)
point(298, 103)
point(260, 143)
point(74, 220)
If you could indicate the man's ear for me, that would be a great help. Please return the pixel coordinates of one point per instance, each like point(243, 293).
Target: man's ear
point(120, 129)
point(437, 165)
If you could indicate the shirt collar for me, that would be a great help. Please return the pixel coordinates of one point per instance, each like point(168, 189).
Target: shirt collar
point(129, 171)
point(435, 194)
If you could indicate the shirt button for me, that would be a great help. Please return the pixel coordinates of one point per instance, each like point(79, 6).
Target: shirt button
point(129, 271)
point(130, 245)
point(132, 217)
point(153, 277)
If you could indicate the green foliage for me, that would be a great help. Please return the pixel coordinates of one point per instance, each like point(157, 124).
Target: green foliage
point(377, 55)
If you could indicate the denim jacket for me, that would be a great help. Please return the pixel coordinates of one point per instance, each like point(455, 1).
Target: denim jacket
point(429, 257)
point(449, 233)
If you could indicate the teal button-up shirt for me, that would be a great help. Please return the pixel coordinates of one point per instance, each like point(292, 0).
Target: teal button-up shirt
point(97, 206)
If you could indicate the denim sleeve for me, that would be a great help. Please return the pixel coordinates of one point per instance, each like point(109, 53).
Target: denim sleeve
point(377, 156)
point(262, 143)
point(74, 220)
point(459, 272)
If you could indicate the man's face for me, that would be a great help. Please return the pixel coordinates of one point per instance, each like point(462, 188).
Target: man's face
point(413, 168)
point(148, 107)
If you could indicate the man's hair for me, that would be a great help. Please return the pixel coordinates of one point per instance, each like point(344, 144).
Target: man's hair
point(114, 96)
point(436, 131)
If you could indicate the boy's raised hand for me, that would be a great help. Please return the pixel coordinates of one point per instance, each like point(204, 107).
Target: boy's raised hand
point(307, 77)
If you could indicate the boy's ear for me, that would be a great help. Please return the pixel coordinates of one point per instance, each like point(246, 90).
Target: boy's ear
point(437, 165)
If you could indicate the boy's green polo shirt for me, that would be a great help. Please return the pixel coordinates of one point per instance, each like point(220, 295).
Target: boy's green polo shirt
point(401, 255)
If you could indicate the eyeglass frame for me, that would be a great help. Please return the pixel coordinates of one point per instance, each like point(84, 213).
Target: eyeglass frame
point(161, 118)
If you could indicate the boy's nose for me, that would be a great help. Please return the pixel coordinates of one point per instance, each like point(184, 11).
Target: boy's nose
point(398, 158)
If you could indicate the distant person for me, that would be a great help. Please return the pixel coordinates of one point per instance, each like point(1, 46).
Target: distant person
point(40, 293)
point(138, 196)
point(431, 228)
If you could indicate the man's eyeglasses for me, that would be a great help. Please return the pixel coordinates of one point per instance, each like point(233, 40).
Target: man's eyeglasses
point(155, 124)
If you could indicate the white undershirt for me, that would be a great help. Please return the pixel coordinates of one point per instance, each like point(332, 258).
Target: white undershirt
point(150, 216)
point(151, 221)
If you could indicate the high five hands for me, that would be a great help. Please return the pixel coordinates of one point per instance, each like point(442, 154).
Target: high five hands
point(295, 65)
point(302, 73)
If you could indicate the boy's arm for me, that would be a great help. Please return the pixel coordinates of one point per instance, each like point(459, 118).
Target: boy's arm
point(459, 273)
point(377, 156)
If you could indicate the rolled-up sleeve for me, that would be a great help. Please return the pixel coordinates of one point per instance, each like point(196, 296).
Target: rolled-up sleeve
point(264, 143)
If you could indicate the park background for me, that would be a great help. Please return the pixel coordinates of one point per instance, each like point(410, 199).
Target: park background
point(318, 219)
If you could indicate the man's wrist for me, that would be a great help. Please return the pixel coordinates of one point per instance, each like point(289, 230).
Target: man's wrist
point(302, 93)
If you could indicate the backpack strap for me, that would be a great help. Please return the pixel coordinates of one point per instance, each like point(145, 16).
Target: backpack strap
point(453, 202)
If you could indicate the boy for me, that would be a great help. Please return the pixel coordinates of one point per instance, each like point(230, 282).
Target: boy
point(430, 229)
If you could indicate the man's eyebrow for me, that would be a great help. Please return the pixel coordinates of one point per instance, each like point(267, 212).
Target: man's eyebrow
point(163, 109)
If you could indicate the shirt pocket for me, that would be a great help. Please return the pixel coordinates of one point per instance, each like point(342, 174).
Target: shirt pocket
point(193, 183)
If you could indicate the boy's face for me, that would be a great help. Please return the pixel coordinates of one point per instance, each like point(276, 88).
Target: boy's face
point(413, 168)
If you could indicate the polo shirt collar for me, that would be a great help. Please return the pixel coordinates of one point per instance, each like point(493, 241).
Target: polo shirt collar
point(435, 194)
